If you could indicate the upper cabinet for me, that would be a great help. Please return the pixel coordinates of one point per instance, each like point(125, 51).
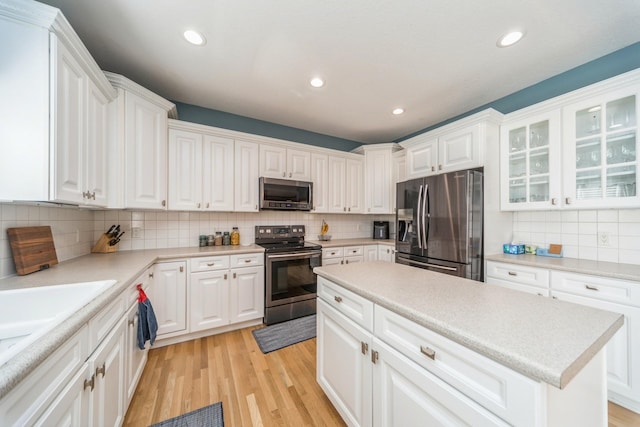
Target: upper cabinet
point(246, 176)
point(200, 169)
point(55, 127)
point(283, 162)
point(379, 180)
point(320, 179)
point(345, 184)
point(139, 151)
point(574, 151)
point(456, 146)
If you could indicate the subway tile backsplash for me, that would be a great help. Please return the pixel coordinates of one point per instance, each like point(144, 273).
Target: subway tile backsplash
point(76, 230)
point(603, 235)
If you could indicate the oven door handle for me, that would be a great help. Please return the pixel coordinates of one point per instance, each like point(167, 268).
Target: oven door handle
point(295, 255)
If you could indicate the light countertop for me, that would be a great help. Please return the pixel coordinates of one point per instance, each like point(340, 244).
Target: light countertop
point(124, 267)
point(544, 339)
point(573, 265)
point(335, 243)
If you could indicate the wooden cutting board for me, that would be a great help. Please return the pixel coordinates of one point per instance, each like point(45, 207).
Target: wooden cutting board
point(32, 248)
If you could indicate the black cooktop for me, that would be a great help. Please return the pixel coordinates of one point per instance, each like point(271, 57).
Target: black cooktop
point(283, 238)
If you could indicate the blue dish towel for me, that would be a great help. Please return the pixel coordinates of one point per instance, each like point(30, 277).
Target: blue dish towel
point(147, 323)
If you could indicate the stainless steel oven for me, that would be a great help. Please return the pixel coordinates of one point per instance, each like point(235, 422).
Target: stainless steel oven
point(290, 284)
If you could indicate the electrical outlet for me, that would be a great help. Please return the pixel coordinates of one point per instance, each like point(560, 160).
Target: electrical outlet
point(136, 233)
point(604, 239)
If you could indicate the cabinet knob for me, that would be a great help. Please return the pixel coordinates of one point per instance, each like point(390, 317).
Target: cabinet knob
point(433, 168)
point(198, 205)
point(93, 195)
point(568, 200)
point(344, 209)
point(89, 383)
point(440, 167)
point(234, 275)
point(164, 203)
point(131, 322)
point(181, 269)
point(225, 276)
point(554, 201)
point(290, 175)
point(364, 347)
point(337, 298)
point(284, 174)
point(207, 205)
point(349, 209)
point(151, 275)
point(374, 356)
point(429, 352)
point(346, 262)
point(101, 370)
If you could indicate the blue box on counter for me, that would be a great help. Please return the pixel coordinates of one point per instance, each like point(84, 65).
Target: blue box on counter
point(509, 248)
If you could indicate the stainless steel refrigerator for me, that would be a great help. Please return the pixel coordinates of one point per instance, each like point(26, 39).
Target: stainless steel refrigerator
point(439, 223)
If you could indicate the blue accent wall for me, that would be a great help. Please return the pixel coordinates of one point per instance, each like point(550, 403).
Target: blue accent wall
point(613, 64)
point(610, 65)
point(206, 116)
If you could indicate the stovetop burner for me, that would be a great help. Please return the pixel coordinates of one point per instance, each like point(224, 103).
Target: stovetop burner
point(283, 238)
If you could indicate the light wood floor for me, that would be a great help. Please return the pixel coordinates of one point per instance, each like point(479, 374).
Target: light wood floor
point(276, 389)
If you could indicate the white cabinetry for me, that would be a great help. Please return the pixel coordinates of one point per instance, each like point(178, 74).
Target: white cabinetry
point(398, 174)
point(170, 297)
point(139, 148)
point(346, 184)
point(521, 278)
point(354, 185)
point(283, 162)
point(379, 184)
point(320, 179)
point(379, 253)
point(54, 130)
point(342, 255)
point(200, 170)
point(246, 176)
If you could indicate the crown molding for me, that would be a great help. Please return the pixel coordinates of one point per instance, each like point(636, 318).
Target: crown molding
point(121, 82)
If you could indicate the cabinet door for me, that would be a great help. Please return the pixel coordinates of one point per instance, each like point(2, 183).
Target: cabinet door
point(95, 161)
point(422, 159)
point(298, 165)
point(399, 174)
point(344, 365)
point(623, 350)
point(246, 294)
point(530, 163)
point(273, 161)
point(354, 191)
point(371, 253)
point(107, 408)
point(320, 179)
point(71, 407)
point(185, 170)
point(146, 154)
point(378, 181)
point(407, 395)
point(246, 176)
point(209, 300)
point(69, 95)
point(135, 358)
point(386, 253)
point(460, 150)
point(337, 171)
point(600, 155)
point(170, 294)
point(217, 174)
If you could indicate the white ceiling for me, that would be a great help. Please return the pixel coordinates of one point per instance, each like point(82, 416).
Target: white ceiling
point(436, 59)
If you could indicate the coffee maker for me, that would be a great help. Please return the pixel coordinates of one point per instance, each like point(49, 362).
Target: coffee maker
point(380, 229)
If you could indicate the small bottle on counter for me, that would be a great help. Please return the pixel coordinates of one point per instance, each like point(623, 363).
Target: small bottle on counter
point(218, 240)
point(203, 240)
point(235, 236)
point(210, 240)
point(226, 239)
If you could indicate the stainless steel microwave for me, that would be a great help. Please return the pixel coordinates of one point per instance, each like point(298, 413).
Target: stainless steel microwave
point(285, 194)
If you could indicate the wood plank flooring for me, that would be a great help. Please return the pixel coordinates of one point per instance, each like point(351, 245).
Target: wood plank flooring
point(275, 389)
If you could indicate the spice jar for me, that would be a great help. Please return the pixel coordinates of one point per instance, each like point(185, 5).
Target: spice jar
point(210, 240)
point(218, 240)
point(226, 239)
point(203, 240)
point(235, 236)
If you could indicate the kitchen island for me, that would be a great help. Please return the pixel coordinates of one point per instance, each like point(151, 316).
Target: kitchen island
point(432, 346)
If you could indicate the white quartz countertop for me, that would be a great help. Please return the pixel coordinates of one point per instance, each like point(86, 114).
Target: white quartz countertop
point(574, 265)
point(124, 267)
point(544, 339)
point(352, 242)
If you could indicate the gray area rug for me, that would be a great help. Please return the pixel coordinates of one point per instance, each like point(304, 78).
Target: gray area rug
point(275, 337)
point(209, 416)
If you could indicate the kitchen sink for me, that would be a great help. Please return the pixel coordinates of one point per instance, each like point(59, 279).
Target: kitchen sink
point(30, 313)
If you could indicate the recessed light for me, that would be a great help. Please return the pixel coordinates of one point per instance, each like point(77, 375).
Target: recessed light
point(316, 82)
point(510, 38)
point(398, 111)
point(194, 37)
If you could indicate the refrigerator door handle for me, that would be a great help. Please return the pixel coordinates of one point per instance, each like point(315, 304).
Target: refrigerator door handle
point(419, 226)
point(426, 217)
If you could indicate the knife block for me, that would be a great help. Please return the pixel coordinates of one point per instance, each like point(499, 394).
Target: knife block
point(102, 245)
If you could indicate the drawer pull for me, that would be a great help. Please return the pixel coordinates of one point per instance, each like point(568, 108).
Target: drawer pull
point(333, 253)
point(101, 370)
point(181, 269)
point(430, 353)
point(131, 322)
point(591, 288)
point(89, 383)
point(247, 260)
point(337, 298)
point(513, 273)
point(211, 264)
point(364, 347)
point(374, 356)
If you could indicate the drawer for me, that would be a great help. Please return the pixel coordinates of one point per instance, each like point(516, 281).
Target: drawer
point(332, 253)
point(352, 259)
point(101, 324)
point(499, 389)
point(246, 260)
point(355, 307)
point(29, 399)
point(602, 288)
point(524, 275)
point(518, 287)
point(353, 251)
point(209, 263)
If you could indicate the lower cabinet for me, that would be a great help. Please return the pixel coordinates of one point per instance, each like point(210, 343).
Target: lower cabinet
point(342, 255)
point(170, 297)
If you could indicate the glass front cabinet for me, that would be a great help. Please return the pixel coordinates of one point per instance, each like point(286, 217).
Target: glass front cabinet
point(530, 163)
point(600, 163)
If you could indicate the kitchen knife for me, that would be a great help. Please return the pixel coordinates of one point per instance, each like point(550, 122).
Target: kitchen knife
point(111, 229)
point(115, 239)
point(115, 232)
